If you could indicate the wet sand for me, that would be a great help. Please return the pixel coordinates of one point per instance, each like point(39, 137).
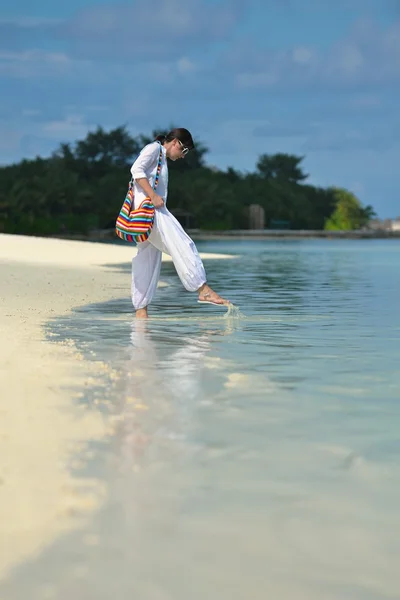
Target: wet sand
point(42, 422)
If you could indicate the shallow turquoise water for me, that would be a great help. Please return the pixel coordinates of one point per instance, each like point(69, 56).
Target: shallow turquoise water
point(254, 456)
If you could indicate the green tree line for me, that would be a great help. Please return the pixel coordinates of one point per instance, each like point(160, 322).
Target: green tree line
point(81, 187)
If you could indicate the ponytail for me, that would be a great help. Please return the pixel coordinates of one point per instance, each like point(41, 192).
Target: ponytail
point(181, 134)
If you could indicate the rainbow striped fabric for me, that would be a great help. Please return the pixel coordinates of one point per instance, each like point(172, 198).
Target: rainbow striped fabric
point(135, 225)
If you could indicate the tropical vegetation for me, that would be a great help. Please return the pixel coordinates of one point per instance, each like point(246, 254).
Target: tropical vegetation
point(81, 186)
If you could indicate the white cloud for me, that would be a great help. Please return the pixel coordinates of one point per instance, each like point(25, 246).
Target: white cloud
point(303, 55)
point(285, 129)
point(30, 112)
point(29, 22)
point(327, 136)
point(144, 29)
point(33, 63)
point(186, 66)
point(263, 79)
point(347, 61)
point(72, 127)
point(340, 139)
point(368, 55)
point(34, 138)
point(365, 101)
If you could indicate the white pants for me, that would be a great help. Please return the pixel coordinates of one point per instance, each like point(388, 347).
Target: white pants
point(167, 236)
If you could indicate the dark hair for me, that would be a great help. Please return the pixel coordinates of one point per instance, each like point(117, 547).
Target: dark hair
point(179, 133)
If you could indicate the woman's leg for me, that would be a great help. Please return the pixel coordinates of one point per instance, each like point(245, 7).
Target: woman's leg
point(169, 236)
point(146, 266)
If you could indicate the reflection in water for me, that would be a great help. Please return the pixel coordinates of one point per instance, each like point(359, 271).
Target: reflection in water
point(163, 386)
point(160, 395)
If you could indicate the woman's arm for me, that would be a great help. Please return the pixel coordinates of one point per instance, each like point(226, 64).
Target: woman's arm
point(157, 201)
point(143, 164)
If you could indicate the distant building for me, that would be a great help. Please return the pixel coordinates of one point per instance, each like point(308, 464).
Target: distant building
point(380, 224)
point(256, 217)
point(396, 224)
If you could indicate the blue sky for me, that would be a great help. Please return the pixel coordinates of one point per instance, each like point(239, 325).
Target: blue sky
point(316, 78)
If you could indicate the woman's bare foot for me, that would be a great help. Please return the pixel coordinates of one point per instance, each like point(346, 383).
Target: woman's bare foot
point(141, 313)
point(206, 294)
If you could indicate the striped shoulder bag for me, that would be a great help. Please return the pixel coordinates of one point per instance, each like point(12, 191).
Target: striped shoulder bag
point(134, 225)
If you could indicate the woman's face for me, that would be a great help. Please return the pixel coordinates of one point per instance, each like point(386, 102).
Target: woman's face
point(177, 150)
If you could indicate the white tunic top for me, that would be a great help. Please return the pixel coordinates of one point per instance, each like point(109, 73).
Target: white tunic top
point(146, 166)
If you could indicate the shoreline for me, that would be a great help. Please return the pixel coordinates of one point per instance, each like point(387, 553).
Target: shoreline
point(44, 426)
point(77, 253)
point(293, 234)
point(108, 235)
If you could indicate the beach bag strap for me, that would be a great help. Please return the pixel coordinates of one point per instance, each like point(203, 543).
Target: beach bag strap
point(135, 225)
point(158, 171)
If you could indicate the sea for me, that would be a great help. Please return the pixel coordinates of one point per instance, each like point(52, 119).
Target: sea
point(254, 452)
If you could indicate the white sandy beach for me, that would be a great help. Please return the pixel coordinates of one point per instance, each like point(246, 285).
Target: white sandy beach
point(40, 420)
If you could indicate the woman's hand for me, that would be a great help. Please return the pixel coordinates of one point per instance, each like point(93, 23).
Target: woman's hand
point(157, 201)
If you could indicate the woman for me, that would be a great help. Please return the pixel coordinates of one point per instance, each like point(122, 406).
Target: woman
point(167, 234)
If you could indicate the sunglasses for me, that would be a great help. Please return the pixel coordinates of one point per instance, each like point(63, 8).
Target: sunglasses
point(184, 149)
